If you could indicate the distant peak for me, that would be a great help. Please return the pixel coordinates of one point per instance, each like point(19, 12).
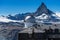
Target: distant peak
point(42, 9)
point(42, 3)
point(42, 6)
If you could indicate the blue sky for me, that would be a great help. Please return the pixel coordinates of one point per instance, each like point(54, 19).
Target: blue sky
point(23, 6)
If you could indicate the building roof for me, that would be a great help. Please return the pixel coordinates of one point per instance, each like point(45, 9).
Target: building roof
point(30, 18)
point(31, 30)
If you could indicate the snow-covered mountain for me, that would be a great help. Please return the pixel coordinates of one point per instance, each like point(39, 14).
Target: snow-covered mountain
point(42, 14)
point(46, 15)
point(5, 19)
point(19, 16)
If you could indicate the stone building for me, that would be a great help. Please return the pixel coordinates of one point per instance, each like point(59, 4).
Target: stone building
point(29, 21)
point(37, 34)
point(30, 34)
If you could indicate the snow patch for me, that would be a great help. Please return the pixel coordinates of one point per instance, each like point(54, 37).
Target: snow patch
point(58, 14)
point(27, 17)
point(4, 19)
point(43, 16)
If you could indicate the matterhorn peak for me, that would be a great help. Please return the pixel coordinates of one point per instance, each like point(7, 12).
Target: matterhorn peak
point(42, 9)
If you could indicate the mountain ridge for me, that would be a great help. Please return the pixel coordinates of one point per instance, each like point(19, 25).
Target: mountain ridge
point(41, 13)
